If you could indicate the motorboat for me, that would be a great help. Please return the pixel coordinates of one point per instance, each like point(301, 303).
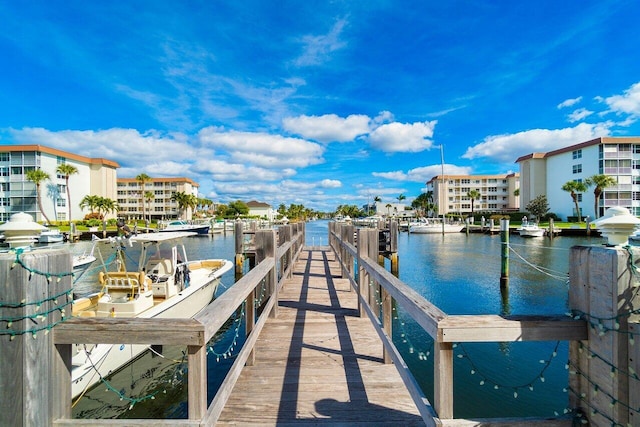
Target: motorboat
point(82, 262)
point(434, 226)
point(165, 284)
point(50, 235)
point(182, 225)
point(530, 229)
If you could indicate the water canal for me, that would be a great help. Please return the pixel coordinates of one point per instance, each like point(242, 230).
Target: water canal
point(458, 273)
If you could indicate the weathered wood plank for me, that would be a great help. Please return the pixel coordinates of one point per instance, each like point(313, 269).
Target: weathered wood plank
point(494, 328)
point(318, 361)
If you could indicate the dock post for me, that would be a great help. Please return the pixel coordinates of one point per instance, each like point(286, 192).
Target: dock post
point(551, 228)
point(504, 241)
point(239, 249)
point(266, 247)
point(35, 379)
point(603, 290)
point(363, 276)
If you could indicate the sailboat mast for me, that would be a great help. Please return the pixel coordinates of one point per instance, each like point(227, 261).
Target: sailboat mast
point(443, 192)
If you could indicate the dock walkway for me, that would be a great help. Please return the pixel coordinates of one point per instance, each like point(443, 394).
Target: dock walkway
point(318, 362)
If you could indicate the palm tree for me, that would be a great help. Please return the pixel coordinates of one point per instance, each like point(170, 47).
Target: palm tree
point(37, 176)
point(67, 170)
point(575, 187)
point(401, 197)
point(149, 196)
point(182, 199)
point(90, 202)
point(142, 179)
point(106, 205)
point(601, 182)
point(388, 206)
point(473, 195)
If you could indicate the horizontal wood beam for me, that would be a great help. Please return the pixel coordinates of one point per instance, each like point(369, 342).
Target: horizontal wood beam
point(495, 328)
point(109, 330)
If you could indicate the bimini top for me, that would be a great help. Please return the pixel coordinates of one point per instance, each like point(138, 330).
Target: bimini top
point(161, 237)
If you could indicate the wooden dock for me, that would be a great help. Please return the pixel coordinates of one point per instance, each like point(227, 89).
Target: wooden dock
point(318, 362)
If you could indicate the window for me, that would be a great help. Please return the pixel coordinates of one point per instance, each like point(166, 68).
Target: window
point(61, 203)
point(577, 168)
point(465, 181)
point(4, 171)
point(492, 189)
point(579, 197)
point(576, 154)
point(4, 157)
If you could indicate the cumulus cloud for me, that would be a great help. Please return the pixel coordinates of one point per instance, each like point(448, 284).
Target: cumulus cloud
point(569, 102)
point(403, 137)
point(507, 148)
point(330, 183)
point(328, 127)
point(628, 102)
point(128, 147)
point(263, 149)
point(579, 114)
point(424, 173)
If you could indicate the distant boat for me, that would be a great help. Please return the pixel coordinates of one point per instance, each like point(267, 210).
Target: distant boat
point(182, 225)
point(434, 226)
point(81, 262)
point(50, 235)
point(528, 229)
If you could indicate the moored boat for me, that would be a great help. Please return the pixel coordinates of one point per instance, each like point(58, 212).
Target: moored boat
point(530, 229)
point(50, 235)
point(165, 285)
point(182, 225)
point(434, 226)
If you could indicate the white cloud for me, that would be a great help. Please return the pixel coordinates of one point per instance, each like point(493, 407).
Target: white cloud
point(425, 173)
point(317, 49)
point(579, 114)
point(569, 102)
point(330, 183)
point(263, 149)
point(403, 137)
point(629, 102)
point(128, 147)
point(329, 127)
point(507, 148)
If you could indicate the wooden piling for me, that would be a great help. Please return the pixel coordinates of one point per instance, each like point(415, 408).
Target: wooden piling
point(32, 392)
point(504, 265)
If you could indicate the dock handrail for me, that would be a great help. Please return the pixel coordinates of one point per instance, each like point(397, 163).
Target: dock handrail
point(274, 264)
point(443, 328)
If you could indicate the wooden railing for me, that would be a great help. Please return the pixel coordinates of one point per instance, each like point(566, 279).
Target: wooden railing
point(443, 328)
point(275, 256)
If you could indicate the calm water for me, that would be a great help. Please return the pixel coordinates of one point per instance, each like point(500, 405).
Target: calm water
point(458, 273)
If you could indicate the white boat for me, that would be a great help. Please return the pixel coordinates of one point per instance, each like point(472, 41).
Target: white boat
point(182, 225)
point(165, 284)
point(82, 262)
point(530, 229)
point(50, 235)
point(434, 226)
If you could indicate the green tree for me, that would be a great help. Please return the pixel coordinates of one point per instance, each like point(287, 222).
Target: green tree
point(106, 205)
point(37, 176)
point(67, 170)
point(142, 179)
point(600, 182)
point(149, 196)
point(575, 188)
point(90, 202)
point(421, 204)
point(538, 207)
point(184, 201)
point(237, 208)
point(401, 197)
point(473, 195)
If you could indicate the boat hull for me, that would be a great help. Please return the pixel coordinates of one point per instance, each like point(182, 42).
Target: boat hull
point(105, 359)
point(435, 229)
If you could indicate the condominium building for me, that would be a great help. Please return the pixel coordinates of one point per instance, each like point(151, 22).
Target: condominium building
point(159, 204)
point(546, 173)
point(95, 176)
point(497, 193)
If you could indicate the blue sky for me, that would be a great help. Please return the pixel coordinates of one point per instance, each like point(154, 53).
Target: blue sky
point(319, 103)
